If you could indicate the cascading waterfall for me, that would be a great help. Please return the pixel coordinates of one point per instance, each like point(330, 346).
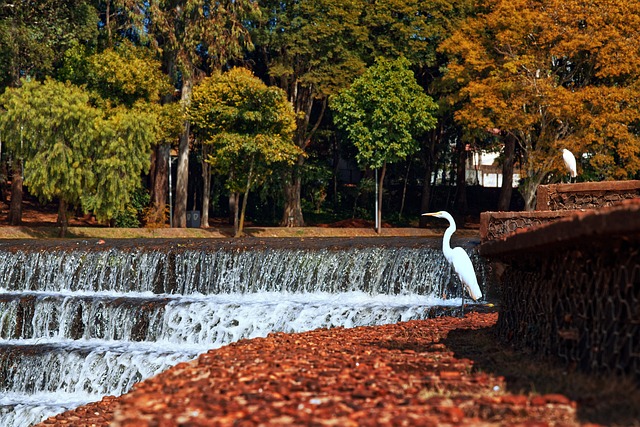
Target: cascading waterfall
point(80, 320)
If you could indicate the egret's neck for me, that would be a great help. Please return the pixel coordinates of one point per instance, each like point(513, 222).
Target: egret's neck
point(446, 239)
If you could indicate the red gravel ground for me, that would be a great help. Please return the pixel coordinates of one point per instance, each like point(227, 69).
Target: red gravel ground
point(436, 372)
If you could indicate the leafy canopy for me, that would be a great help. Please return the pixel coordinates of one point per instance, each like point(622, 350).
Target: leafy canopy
point(247, 124)
point(124, 138)
point(383, 112)
point(73, 151)
point(554, 74)
point(127, 76)
point(199, 33)
point(124, 75)
point(312, 45)
point(51, 126)
point(35, 34)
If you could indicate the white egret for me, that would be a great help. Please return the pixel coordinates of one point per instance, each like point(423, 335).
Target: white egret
point(570, 162)
point(458, 258)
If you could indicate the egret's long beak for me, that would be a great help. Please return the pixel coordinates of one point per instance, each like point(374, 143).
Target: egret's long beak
point(430, 214)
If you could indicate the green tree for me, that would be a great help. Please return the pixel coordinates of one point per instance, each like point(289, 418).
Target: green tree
point(311, 50)
point(72, 151)
point(415, 29)
point(409, 28)
point(193, 36)
point(120, 19)
point(51, 127)
point(35, 35)
point(314, 49)
point(123, 142)
point(443, 18)
point(382, 113)
point(249, 127)
point(131, 76)
point(33, 38)
point(124, 75)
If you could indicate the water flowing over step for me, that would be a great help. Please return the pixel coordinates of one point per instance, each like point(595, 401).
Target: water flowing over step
point(80, 319)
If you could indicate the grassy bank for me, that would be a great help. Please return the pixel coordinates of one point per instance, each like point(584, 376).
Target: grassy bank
point(45, 232)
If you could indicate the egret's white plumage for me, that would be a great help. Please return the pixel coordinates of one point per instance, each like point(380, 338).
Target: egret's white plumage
point(458, 257)
point(570, 162)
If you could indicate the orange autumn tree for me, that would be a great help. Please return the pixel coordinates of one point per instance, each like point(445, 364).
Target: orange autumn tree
point(553, 74)
point(599, 50)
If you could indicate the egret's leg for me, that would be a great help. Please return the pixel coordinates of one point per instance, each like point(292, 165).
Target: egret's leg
point(462, 307)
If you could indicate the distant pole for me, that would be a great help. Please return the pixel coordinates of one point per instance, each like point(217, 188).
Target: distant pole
point(21, 154)
point(170, 194)
point(377, 222)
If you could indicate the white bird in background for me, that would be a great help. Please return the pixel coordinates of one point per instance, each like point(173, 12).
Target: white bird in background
point(570, 162)
point(458, 258)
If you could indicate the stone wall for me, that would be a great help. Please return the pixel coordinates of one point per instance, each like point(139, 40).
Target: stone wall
point(558, 201)
point(495, 225)
point(585, 195)
point(580, 304)
point(571, 288)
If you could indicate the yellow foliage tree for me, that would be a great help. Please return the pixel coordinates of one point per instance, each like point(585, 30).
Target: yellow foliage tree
point(554, 74)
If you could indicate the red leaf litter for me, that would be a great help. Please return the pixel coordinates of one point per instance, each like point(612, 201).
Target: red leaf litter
point(404, 374)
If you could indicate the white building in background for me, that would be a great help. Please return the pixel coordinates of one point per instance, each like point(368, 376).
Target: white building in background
point(483, 169)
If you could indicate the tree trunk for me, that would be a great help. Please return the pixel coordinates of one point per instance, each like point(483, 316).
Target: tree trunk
point(530, 198)
point(182, 178)
point(63, 219)
point(530, 189)
point(159, 184)
point(429, 158)
point(292, 216)
point(107, 19)
point(240, 228)
point(303, 102)
point(233, 206)
point(160, 166)
point(15, 207)
point(425, 200)
point(5, 191)
point(336, 165)
point(244, 200)
point(404, 190)
point(206, 187)
point(504, 201)
point(461, 182)
point(379, 195)
point(234, 198)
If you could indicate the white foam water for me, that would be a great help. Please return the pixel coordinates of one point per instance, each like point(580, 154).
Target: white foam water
point(86, 370)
